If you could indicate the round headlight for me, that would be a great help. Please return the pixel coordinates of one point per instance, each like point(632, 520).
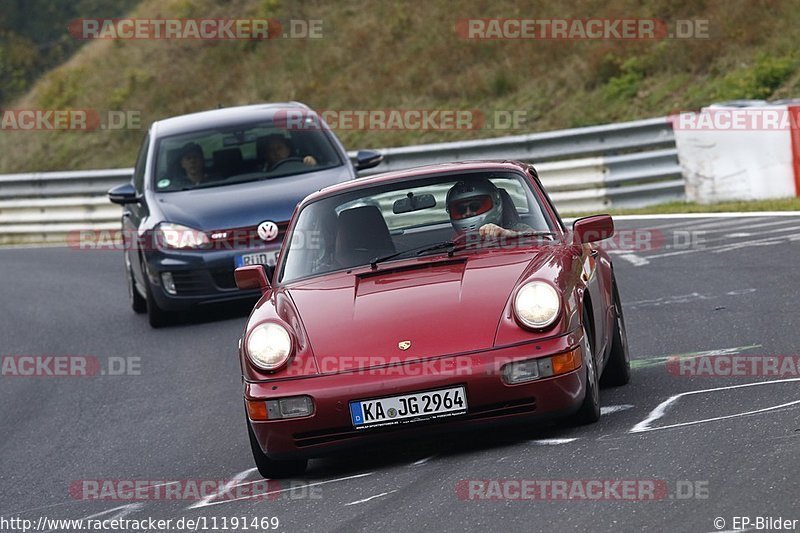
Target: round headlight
point(537, 304)
point(269, 346)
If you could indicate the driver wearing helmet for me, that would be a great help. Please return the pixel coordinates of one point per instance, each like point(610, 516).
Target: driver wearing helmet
point(477, 205)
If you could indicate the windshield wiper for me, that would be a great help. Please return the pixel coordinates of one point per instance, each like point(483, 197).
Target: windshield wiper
point(450, 246)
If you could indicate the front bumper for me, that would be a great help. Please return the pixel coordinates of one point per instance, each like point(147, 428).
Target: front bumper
point(490, 400)
point(200, 276)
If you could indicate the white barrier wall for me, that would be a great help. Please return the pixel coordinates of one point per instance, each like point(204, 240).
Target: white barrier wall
point(738, 153)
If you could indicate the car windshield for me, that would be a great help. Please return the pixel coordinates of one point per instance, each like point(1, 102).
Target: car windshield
point(230, 155)
point(401, 220)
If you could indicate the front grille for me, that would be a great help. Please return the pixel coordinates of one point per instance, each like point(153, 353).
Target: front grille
point(245, 238)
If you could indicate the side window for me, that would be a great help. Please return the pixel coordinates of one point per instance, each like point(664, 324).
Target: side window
point(141, 161)
point(516, 192)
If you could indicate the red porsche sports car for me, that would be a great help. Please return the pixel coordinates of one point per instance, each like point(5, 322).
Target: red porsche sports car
point(433, 299)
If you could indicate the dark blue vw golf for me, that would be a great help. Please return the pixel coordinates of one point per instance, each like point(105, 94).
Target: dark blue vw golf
point(213, 191)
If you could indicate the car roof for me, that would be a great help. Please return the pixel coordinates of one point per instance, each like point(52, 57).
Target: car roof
point(418, 172)
point(224, 116)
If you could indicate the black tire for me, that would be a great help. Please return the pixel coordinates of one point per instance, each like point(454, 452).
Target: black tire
point(155, 315)
point(589, 411)
point(618, 369)
point(138, 303)
point(270, 468)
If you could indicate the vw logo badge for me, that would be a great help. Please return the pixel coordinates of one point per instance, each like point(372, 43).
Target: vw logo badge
point(268, 230)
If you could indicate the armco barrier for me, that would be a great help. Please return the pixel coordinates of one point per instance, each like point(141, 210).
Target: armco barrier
point(629, 164)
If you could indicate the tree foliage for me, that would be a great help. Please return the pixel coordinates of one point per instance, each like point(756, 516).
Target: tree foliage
point(34, 37)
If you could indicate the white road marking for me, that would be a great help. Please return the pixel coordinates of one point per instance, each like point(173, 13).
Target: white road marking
point(279, 491)
point(743, 214)
point(739, 244)
point(653, 360)
point(381, 495)
point(769, 241)
point(209, 500)
point(607, 410)
point(634, 259)
point(165, 484)
point(123, 511)
point(695, 223)
point(423, 460)
point(711, 224)
point(661, 409)
point(686, 298)
point(772, 232)
point(551, 442)
point(764, 224)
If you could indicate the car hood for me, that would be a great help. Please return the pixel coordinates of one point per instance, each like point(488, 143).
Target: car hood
point(442, 306)
point(245, 204)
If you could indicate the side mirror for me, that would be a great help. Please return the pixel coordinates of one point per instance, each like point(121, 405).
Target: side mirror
point(368, 159)
point(123, 194)
point(252, 277)
point(592, 229)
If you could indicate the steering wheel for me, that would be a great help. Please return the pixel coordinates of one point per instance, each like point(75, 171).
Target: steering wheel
point(284, 161)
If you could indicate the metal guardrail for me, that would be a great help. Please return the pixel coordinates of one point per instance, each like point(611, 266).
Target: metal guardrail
point(630, 164)
point(640, 135)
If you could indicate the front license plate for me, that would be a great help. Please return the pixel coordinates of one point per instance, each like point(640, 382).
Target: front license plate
point(408, 408)
point(258, 258)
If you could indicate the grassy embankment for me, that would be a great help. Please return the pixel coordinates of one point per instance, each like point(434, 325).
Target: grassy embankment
point(381, 55)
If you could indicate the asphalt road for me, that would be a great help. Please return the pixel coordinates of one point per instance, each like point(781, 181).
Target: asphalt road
point(176, 413)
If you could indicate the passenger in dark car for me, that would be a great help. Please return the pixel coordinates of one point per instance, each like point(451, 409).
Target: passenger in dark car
point(192, 164)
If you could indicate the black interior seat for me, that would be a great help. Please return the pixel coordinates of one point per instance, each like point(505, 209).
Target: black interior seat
point(361, 234)
point(228, 162)
point(510, 215)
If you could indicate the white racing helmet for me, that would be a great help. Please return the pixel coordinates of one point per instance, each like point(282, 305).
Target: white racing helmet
point(473, 203)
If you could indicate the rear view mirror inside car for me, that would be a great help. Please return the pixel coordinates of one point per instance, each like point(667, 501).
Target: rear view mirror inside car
point(239, 138)
point(413, 203)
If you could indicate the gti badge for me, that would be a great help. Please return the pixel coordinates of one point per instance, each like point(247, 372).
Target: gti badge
point(268, 230)
point(404, 345)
